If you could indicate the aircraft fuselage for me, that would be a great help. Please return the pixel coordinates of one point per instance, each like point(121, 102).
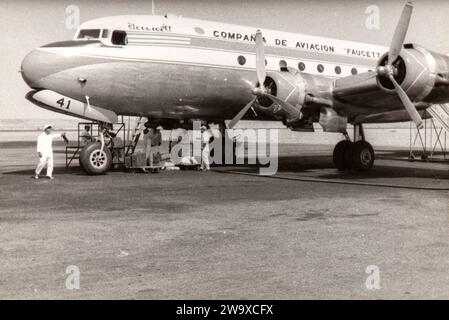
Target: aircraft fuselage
point(178, 68)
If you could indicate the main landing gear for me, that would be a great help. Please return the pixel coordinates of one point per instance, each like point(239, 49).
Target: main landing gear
point(357, 155)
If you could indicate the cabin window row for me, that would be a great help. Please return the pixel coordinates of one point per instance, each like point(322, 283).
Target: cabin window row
point(301, 66)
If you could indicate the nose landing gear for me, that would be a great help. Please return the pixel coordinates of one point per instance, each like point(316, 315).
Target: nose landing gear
point(96, 158)
point(358, 155)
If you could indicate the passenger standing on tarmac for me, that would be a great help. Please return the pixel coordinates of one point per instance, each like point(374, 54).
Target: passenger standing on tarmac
point(206, 137)
point(45, 151)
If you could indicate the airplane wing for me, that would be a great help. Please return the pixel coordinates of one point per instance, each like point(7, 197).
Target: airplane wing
point(363, 99)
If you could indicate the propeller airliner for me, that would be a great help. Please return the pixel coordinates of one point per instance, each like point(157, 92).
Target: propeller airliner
point(174, 70)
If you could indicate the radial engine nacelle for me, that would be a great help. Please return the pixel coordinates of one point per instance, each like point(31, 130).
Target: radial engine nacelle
point(423, 74)
point(298, 89)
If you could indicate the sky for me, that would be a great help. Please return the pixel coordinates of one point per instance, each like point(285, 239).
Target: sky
point(28, 24)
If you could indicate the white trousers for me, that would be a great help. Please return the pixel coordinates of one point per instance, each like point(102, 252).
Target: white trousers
point(205, 158)
point(147, 149)
point(45, 160)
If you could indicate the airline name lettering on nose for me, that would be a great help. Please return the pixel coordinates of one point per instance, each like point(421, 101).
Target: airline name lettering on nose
point(162, 28)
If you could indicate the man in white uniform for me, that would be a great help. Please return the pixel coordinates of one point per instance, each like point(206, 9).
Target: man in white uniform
point(147, 134)
point(45, 151)
point(205, 140)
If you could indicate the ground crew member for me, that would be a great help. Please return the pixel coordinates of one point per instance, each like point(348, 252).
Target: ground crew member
point(117, 148)
point(156, 142)
point(147, 133)
point(45, 151)
point(206, 137)
point(86, 136)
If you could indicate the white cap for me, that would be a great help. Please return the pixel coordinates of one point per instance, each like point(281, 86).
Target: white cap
point(48, 126)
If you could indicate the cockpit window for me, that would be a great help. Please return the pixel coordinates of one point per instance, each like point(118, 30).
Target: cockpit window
point(89, 34)
point(119, 38)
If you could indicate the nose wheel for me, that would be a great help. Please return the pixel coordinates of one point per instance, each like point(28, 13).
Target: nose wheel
point(95, 160)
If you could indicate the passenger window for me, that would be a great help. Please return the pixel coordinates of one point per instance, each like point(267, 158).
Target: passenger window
point(89, 34)
point(353, 71)
point(119, 38)
point(337, 70)
point(283, 65)
point(241, 60)
point(320, 68)
point(301, 66)
point(105, 34)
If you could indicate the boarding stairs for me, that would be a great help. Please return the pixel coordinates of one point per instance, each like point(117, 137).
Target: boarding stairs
point(440, 113)
point(439, 122)
point(136, 136)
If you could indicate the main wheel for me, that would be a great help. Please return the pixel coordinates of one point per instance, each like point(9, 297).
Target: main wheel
point(340, 156)
point(94, 161)
point(362, 156)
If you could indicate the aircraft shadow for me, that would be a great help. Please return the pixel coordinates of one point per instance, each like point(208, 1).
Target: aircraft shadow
point(309, 165)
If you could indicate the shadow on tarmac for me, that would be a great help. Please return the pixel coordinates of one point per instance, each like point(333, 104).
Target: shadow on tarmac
point(311, 166)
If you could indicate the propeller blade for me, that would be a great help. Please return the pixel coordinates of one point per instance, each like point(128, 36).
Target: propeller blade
point(290, 109)
point(240, 115)
point(399, 34)
point(408, 104)
point(260, 59)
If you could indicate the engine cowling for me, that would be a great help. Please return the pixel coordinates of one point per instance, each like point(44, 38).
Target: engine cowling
point(298, 89)
point(423, 74)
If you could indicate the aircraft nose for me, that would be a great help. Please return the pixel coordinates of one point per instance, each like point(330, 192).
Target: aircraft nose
point(33, 68)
